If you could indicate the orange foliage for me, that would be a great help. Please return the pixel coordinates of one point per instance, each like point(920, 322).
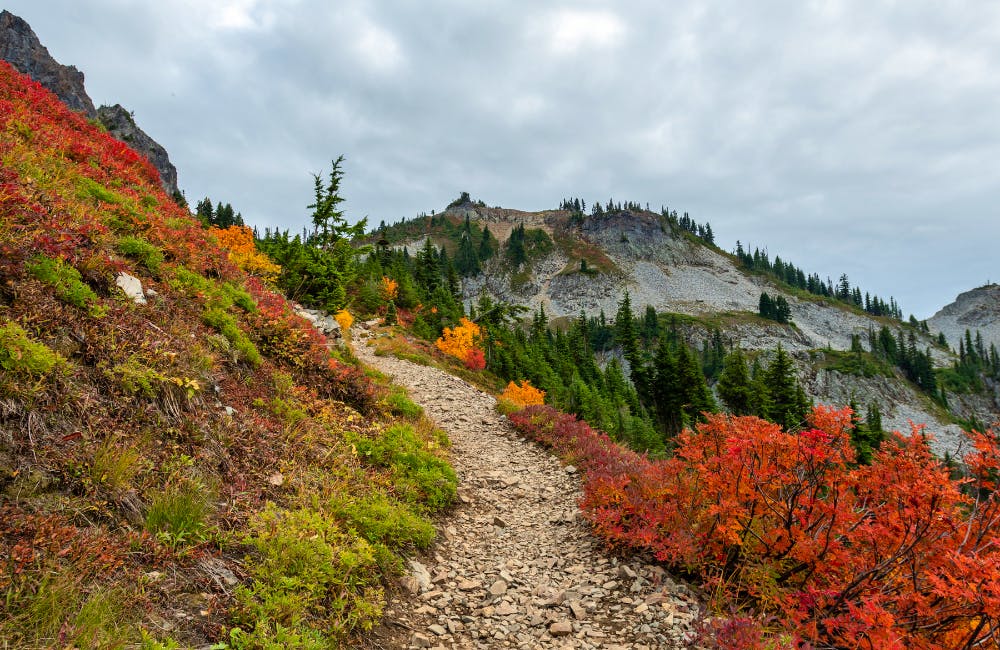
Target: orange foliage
point(898, 554)
point(239, 244)
point(344, 319)
point(523, 395)
point(460, 341)
point(390, 288)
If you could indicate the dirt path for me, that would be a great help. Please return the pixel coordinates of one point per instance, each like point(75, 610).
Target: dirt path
point(515, 567)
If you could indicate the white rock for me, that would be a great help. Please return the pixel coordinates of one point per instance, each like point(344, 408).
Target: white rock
point(132, 287)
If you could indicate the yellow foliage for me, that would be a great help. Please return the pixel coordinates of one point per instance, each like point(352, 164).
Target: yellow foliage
point(344, 318)
point(458, 342)
point(523, 395)
point(239, 244)
point(390, 288)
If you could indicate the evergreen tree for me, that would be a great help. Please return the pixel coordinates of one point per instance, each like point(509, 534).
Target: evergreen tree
point(734, 384)
point(788, 403)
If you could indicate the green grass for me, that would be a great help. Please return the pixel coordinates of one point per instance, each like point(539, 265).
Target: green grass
point(178, 516)
point(91, 189)
point(863, 364)
point(400, 404)
point(226, 325)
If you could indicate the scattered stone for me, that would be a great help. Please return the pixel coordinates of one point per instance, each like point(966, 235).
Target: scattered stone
point(498, 588)
point(561, 628)
point(498, 522)
point(571, 469)
point(422, 575)
point(437, 629)
point(276, 479)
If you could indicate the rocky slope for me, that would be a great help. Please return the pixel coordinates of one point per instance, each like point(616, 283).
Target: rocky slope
point(20, 46)
point(974, 310)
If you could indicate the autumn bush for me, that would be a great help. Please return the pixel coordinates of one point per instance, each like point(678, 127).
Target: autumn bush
point(462, 342)
point(523, 394)
point(889, 555)
point(242, 251)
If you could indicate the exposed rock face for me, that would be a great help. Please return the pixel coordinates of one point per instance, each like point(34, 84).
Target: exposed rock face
point(120, 124)
point(21, 48)
point(978, 309)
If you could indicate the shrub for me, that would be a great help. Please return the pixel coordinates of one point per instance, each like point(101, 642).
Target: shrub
point(139, 249)
point(422, 477)
point(226, 325)
point(67, 283)
point(308, 573)
point(19, 354)
point(839, 555)
point(379, 519)
point(523, 395)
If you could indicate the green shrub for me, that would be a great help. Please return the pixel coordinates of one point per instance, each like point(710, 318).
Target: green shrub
point(400, 404)
point(139, 249)
point(308, 575)
point(67, 282)
point(420, 476)
point(91, 189)
point(380, 519)
point(226, 325)
point(21, 355)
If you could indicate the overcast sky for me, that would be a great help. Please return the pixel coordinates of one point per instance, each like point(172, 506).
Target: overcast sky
point(844, 136)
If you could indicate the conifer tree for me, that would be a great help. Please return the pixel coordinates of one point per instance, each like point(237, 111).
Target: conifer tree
point(734, 385)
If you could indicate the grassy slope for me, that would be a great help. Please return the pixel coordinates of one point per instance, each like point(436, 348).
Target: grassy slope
point(135, 508)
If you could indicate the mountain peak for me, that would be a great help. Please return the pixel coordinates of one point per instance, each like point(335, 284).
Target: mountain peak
point(20, 46)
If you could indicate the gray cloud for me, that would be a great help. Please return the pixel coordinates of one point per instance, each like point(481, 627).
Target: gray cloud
point(844, 136)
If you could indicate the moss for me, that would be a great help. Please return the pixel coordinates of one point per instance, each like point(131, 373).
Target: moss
point(19, 354)
point(141, 250)
point(67, 283)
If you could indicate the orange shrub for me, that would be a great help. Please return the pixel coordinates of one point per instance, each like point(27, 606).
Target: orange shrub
point(239, 244)
point(523, 395)
point(458, 342)
point(344, 318)
point(390, 288)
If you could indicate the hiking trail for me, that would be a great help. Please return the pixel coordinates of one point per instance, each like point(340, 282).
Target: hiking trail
point(514, 565)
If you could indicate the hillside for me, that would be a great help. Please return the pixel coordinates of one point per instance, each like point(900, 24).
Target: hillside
point(183, 459)
point(592, 260)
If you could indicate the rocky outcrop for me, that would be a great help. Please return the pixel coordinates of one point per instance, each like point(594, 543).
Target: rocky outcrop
point(20, 47)
point(975, 310)
point(120, 123)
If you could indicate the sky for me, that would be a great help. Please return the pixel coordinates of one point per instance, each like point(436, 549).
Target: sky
point(851, 137)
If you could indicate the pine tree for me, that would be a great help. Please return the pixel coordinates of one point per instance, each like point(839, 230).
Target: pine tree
point(734, 384)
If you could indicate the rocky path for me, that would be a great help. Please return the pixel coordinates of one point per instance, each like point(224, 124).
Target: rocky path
point(515, 567)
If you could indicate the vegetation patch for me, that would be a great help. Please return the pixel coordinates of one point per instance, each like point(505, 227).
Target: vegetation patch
point(142, 251)
point(67, 283)
point(21, 355)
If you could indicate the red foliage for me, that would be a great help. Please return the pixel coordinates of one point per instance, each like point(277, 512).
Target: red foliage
point(891, 555)
point(475, 359)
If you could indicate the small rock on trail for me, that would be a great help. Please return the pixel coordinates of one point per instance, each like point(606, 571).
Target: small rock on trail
point(514, 568)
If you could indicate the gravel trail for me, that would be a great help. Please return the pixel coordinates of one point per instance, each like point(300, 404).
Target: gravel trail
point(514, 565)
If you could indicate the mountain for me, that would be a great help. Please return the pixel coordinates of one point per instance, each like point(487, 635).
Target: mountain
point(584, 263)
point(20, 46)
point(977, 310)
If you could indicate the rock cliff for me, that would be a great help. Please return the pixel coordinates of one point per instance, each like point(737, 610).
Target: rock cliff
point(20, 46)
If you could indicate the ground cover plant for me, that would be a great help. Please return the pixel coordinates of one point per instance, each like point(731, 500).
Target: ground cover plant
point(186, 471)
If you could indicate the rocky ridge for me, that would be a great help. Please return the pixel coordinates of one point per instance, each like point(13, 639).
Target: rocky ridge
point(21, 47)
point(974, 310)
point(516, 567)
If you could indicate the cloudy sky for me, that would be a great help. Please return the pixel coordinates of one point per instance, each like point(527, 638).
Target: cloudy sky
point(848, 137)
